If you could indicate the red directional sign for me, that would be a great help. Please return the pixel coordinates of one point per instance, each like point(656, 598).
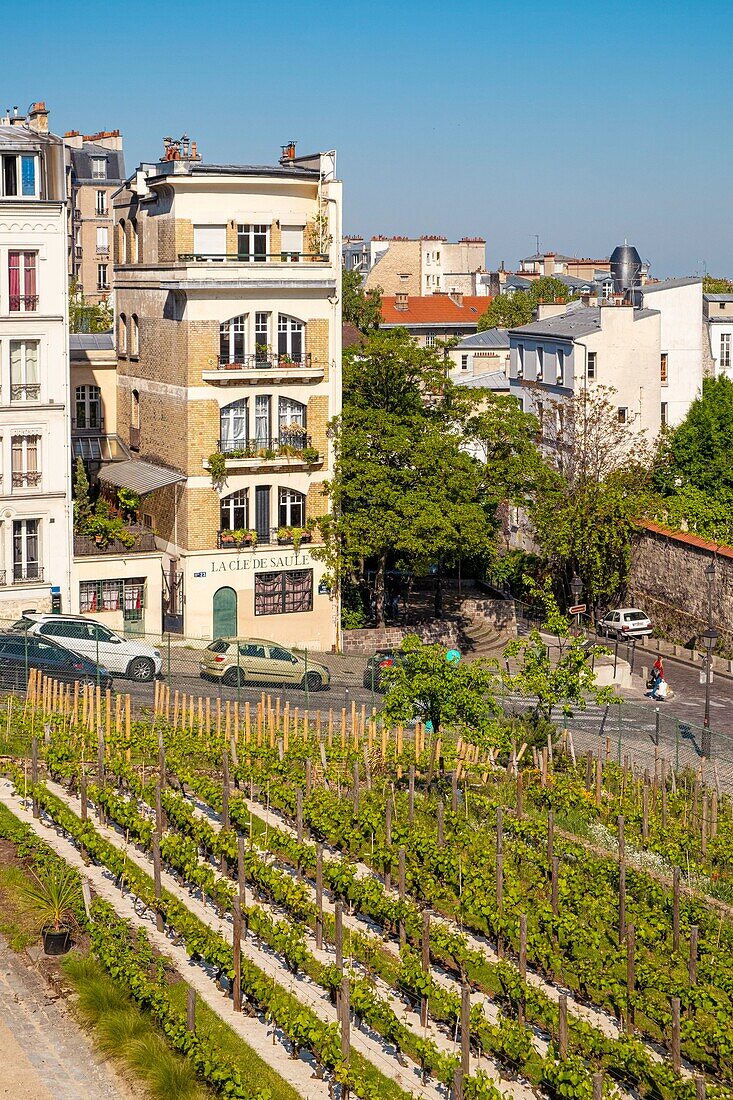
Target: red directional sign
point(578, 609)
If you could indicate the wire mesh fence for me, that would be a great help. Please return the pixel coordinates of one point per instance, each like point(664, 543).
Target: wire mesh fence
point(167, 673)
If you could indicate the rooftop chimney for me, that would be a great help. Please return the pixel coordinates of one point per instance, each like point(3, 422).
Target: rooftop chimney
point(400, 301)
point(287, 156)
point(38, 117)
point(457, 297)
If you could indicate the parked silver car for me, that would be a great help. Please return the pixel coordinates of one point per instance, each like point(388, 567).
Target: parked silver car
point(121, 656)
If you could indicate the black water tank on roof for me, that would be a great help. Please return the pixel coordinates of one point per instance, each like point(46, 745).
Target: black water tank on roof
point(625, 268)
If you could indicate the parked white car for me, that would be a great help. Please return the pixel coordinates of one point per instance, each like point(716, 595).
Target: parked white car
point(121, 656)
point(625, 622)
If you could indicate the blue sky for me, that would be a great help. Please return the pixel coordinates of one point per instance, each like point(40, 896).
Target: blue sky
point(583, 123)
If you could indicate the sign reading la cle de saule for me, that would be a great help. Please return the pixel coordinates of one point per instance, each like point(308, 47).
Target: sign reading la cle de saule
point(235, 563)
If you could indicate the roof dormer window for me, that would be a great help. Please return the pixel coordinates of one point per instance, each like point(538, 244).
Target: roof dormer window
point(99, 168)
point(19, 176)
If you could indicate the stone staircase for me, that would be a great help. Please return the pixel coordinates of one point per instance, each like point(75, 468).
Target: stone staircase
point(482, 639)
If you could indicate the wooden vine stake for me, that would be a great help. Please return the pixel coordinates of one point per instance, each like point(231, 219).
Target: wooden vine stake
point(159, 923)
point(693, 955)
point(630, 976)
point(465, 1029)
point(523, 964)
point(34, 777)
point(401, 888)
point(621, 881)
point(411, 796)
point(339, 934)
point(597, 1086)
point(499, 877)
point(676, 1046)
point(242, 883)
point(562, 1005)
point(319, 896)
point(388, 838)
point(237, 952)
point(676, 909)
point(345, 1011)
point(425, 964)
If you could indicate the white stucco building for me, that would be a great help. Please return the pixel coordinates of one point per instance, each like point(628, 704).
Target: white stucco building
point(718, 320)
point(679, 303)
point(614, 346)
point(35, 469)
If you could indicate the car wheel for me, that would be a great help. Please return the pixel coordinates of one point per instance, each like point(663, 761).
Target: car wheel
point(312, 682)
point(87, 681)
point(141, 670)
point(233, 677)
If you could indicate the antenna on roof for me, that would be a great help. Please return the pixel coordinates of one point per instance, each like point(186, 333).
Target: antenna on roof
point(537, 243)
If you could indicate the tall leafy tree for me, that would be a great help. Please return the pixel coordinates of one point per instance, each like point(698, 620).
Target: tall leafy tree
point(513, 310)
point(405, 488)
point(699, 452)
point(593, 489)
point(360, 307)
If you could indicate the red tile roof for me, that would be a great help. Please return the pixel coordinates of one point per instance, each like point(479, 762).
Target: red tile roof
point(435, 309)
point(688, 539)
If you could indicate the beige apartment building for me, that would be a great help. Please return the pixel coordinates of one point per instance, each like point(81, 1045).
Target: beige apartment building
point(228, 333)
point(95, 170)
point(427, 265)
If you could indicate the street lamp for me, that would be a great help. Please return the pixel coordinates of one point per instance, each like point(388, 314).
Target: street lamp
point(709, 637)
point(576, 588)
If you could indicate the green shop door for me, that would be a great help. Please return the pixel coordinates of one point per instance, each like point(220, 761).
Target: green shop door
point(225, 613)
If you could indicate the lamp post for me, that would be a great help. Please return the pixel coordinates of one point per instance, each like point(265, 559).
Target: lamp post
point(710, 637)
point(576, 588)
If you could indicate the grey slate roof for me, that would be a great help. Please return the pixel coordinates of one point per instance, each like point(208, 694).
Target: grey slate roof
point(494, 380)
point(81, 163)
point(489, 338)
point(196, 169)
point(718, 297)
point(21, 136)
point(574, 323)
point(91, 341)
point(518, 282)
point(669, 284)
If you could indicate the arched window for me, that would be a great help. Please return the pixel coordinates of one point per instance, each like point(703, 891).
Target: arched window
point(235, 512)
point(122, 334)
point(291, 422)
point(136, 408)
point(135, 336)
point(122, 241)
point(231, 340)
point(134, 242)
point(290, 337)
point(88, 402)
point(233, 426)
point(291, 508)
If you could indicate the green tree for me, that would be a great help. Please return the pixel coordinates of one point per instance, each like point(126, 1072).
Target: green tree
point(513, 310)
point(455, 697)
point(86, 317)
point(82, 501)
point(558, 676)
point(591, 492)
point(699, 452)
point(404, 488)
point(507, 311)
point(713, 285)
point(360, 307)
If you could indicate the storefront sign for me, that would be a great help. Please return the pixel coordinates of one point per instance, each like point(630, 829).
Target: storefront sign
point(236, 563)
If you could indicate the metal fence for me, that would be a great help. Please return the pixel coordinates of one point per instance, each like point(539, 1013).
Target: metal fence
point(641, 731)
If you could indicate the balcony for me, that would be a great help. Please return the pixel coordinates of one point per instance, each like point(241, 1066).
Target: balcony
point(236, 271)
point(257, 258)
point(29, 480)
point(86, 546)
point(248, 540)
point(23, 303)
point(269, 368)
point(28, 574)
point(25, 391)
point(288, 449)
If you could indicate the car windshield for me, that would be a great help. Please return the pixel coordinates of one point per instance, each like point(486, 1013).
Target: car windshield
point(634, 616)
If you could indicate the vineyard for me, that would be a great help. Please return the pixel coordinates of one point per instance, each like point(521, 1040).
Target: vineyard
point(387, 913)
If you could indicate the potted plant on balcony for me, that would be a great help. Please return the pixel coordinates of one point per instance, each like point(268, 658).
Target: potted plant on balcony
point(217, 469)
point(227, 538)
point(310, 455)
point(284, 360)
point(285, 536)
point(54, 897)
point(262, 356)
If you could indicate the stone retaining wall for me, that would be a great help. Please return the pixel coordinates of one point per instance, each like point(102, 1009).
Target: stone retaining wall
point(447, 632)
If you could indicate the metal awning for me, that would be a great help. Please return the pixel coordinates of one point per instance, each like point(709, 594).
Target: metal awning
point(141, 477)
